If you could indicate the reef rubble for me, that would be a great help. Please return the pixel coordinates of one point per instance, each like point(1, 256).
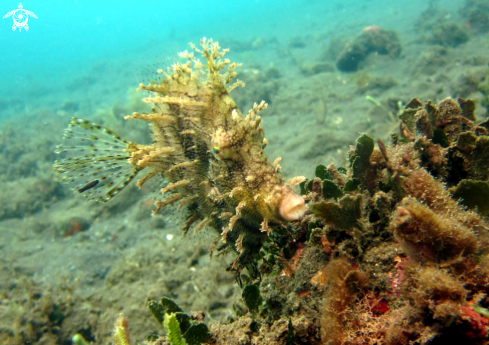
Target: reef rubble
point(389, 252)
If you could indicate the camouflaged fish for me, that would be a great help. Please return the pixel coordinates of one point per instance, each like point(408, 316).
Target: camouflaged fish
point(208, 154)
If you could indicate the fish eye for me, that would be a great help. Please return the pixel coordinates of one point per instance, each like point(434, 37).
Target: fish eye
point(223, 153)
point(226, 153)
point(222, 144)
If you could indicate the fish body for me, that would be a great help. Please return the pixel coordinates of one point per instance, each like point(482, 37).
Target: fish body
point(210, 155)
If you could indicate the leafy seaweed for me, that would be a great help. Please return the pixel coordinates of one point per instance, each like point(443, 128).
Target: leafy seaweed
point(290, 335)
point(474, 195)
point(360, 159)
point(255, 326)
point(323, 173)
point(351, 185)
point(331, 190)
point(345, 214)
point(172, 317)
point(184, 320)
point(252, 297)
point(197, 333)
point(440, 138)
point(157, 310)
point(170, 306)
point(173, 333)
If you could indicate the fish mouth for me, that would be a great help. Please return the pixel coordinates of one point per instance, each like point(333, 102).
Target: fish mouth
point(292, 207)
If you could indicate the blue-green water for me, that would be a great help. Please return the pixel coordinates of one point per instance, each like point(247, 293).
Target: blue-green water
point(86, 59)
point(70, 37)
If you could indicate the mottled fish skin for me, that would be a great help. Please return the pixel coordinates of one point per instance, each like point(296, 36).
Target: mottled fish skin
point(211, 155)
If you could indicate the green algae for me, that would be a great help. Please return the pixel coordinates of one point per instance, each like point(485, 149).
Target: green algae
point(180, 327)
point(172, 327)
point(473, 194)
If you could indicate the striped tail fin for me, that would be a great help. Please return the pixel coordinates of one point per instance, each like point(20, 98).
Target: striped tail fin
point(95, 163)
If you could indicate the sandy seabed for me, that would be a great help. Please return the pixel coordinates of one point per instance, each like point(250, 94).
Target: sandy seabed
point(67, 266)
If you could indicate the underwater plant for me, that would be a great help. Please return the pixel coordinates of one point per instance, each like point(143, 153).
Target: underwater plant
point(120, 333)
point(181, 328)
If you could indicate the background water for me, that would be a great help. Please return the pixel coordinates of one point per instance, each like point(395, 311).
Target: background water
point(74, 265)
point(69, 38)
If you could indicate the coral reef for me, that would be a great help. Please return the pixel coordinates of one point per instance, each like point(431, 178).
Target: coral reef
point(372, 40)
point(393, 249)
point(389, 254)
